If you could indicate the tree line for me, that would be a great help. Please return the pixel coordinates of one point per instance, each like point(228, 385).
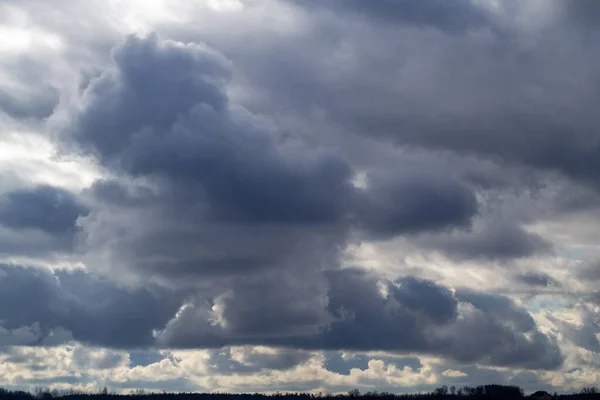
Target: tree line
point(442, 392)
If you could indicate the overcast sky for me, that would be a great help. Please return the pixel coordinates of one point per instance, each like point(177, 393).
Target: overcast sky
point(262, 195)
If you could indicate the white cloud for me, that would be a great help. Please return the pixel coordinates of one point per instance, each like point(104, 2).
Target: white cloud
point(454, 373)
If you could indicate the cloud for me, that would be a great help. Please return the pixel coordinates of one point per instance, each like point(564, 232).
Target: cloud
point(41, 106)
point(18, 98)
point(102, 359)
point(451, 17)
point(236, 168)
point(195, 137)
point(582, 11)
point(38, 223)
point(453, 373)
point(261, 200)
point(91, 310)
point(213, 203)
point(496, 240)
point(49, 209)
point(583, 331)
point(20, 336)
point(413, 316)
point(208, 161)
point(537, 279)
point(415, 203)
point(249, 360)
point(418, 91)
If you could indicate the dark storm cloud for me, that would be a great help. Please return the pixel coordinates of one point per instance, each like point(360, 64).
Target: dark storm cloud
point(419, 315)
point(501, 307)
point(39, 222)
point(392, 206)
point(205, 188)
point(413, 316)
point(548, 145)
point(152, 85)
point(523, 94)
point(227, 193)
point(583, 11)
point(94, 311)
point(91, 310)
point(216, 198)
point(50, 209)
point(163, 112)
point(498, 240)
point(288, 306)
point(452, 16)
point(426, 297)
point(410, 318)
point(116, 193)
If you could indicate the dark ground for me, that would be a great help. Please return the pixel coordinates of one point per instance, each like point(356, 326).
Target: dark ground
point(444, 392)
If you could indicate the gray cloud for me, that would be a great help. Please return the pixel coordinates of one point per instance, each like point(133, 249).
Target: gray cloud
point(39, 222)
point(415, 203)
point(196, 137)
point(456, 16)
point(584, 334)
point(537, 279)
point(589, 271)
point(85, 359)
point(227, 193)
point(41, 106)
point(497, 240)
point(18, 97)
point(90, 309)
point(583, 11)
point(222, 362)
point(414, 316)
point(490, 93)
point(50, 209)
point(214, 203)
point(23, 335)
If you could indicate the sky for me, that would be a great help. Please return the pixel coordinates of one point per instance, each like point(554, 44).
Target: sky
point(261, 195)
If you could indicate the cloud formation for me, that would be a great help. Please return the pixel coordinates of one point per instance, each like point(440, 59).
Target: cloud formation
point(339, 193)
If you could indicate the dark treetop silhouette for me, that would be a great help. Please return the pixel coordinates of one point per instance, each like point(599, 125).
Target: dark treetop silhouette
point(444, 392)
